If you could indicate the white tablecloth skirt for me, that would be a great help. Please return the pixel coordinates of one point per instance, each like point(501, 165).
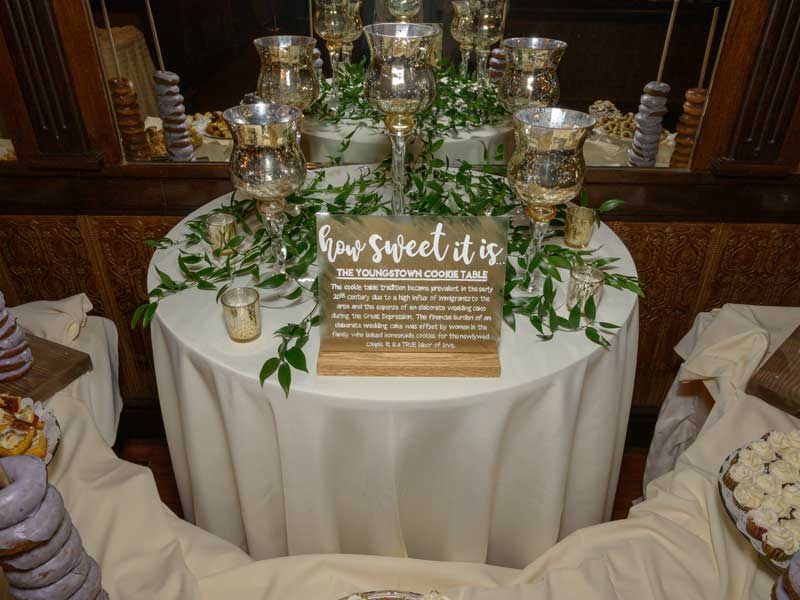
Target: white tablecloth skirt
point(482, 470)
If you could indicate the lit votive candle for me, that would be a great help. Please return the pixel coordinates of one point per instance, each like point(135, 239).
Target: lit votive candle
point(242, 312)
point(221, 230)
point(579, 226)
point(584, 282)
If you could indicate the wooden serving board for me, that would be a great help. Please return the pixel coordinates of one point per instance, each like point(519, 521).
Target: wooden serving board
point(54, 367)
point(409, 364)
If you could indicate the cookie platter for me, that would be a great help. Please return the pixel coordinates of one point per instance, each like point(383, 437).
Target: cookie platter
point(769, 472)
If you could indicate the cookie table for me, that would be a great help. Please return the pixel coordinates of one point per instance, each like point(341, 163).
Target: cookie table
point(481, 470)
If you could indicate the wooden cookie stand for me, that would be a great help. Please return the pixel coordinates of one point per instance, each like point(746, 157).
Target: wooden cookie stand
point(54, 368)
point(409, 364)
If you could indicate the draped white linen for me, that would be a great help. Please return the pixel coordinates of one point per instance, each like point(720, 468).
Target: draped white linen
point(482, 470)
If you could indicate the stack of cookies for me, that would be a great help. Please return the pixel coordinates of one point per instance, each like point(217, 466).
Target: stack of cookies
point(497, 64)
point(173, 116)
point(652, 108)
point(688, 125)
point(129, 119)
point(15, 355)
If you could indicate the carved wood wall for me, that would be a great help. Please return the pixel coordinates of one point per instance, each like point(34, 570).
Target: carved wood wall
point(688, 267)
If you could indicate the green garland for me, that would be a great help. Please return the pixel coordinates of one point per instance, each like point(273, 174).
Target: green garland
point(433, 187)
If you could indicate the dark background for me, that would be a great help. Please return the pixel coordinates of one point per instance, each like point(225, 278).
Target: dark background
point(614, 45)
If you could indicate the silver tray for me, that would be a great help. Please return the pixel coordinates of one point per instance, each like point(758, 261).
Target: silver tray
point(384, 595)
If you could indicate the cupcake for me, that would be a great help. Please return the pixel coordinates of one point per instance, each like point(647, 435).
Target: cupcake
point(760, 520)
point(791, 495)
point(736, 474)
point(763, 450)
point(783, 472)
point(767, 484)
point(749, 458)
point(792, 456)
point(778, 504)
point(792, 525)
point(779, 543)
point(747, 497)
point(793, 439)
point(778, 441)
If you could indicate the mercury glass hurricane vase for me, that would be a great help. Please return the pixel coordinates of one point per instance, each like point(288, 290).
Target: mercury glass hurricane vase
point(335, 22)
point(400, 83)
point(547, 167)
point(463, 31)
point(530, 79)
point(403, 10)
point(267, 162)
point(354, 29)
point(287, 70)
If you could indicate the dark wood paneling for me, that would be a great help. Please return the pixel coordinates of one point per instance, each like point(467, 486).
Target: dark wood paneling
point(37, 53)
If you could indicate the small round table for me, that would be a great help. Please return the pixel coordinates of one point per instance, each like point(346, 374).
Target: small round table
point(483, 470)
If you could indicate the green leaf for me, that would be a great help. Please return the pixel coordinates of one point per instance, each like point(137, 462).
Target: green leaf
point(148, 314)
point(589, 308)
point(166, 280)
point(294, 294)
point(605, 325)
point(610, 205)
point(206, 285)
point(285, 378)
point(269, 367)
point(537, 323)
point(508, 316)
point(548, 291)
point(584, 198)
point(276, 280)
point(298, 270)
point(595, 337)
point(138, 314)
point(221, 291)
point(191, 259)
point(559, 261)
point(296, 358)
point(574, 320)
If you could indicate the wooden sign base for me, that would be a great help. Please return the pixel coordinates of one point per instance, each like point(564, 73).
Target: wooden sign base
point(409, 364)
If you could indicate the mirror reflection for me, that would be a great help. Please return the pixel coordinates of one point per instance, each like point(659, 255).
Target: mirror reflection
point(641, 68)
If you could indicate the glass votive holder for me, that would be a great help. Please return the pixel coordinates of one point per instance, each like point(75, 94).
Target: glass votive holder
point(436, 48)
point(241, 309)
point(579, 226)
point(584, 282)
point(221, 230)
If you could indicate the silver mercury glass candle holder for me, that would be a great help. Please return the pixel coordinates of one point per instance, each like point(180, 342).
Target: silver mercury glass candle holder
point(530, 78)
point(287, 70)
point(547, 167)
point(400, 83)
point(267, 163)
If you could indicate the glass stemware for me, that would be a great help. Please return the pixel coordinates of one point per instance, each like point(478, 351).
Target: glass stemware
point(461, 28)
point(403, 10)
point(354, 29)
point(530, 78)
point(547, 167)
point(334, 23)
point(400, 83)
point(489, 17)
point(287, 70)
point(267, 163)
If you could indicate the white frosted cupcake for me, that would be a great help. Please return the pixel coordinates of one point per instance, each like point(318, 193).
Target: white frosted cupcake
point(763, 450)
point(747, 497)
point(783, 472)
point(781, 507)
point(767, 484)
point(778, 441)
point(792, 525)
point(760, 520)
point(792, 456)
point(779, 543)
point(791, 495)
point(738, 473)
point(751, 459)
point(793, 439)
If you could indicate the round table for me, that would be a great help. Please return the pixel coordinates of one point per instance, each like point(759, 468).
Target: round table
point(483, 470)
point(370, 144)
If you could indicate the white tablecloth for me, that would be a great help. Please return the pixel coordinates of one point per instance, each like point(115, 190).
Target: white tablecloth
point(66, 322)
point(677, 544)
point(493, 470)
point(370, 144)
